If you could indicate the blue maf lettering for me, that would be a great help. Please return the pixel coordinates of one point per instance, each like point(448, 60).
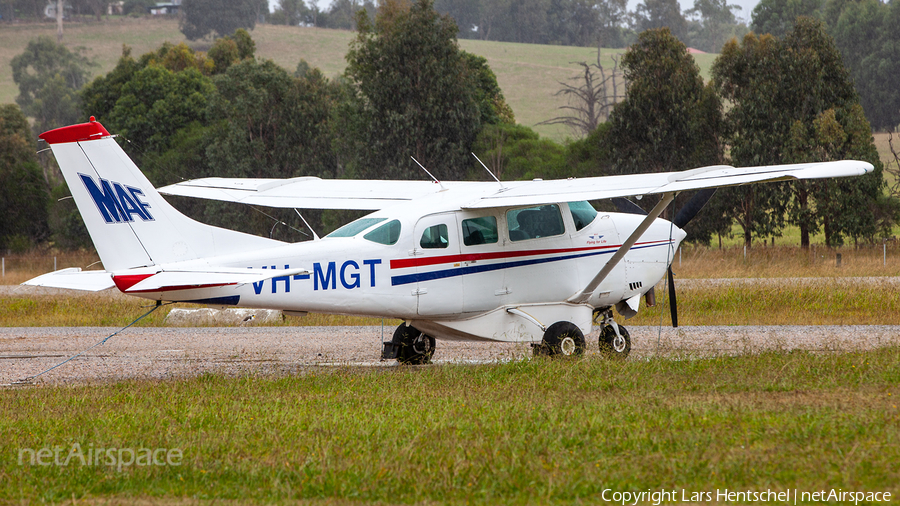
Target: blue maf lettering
point(326, 277)
point(116, 202)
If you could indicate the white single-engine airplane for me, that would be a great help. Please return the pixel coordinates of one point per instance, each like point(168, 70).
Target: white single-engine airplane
point(523, 261)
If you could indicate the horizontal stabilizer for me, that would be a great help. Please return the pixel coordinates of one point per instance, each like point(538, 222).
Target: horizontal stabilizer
point(74, 278)
point(166, 281)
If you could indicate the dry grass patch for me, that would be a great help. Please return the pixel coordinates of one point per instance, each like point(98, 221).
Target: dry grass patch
point(786, 262)
point(110, 309)
point(20, 267)
point(788, 287)
point(817, 303)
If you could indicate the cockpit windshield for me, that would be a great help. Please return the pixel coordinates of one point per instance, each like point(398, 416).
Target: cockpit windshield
point(355, 227)
point(583, 213)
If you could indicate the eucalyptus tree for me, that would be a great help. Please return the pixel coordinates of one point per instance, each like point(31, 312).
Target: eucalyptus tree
point(49, 76)
point(793, 101)
point(669, 120)
point(417, 94)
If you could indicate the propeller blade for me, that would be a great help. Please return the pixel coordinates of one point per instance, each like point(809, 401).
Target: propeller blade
point(693, 206)
point(673, 302)
point(624, 205)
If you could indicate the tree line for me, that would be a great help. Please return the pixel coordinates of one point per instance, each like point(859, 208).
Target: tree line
point(865, 31)
point(608, 23)
point(409, 91)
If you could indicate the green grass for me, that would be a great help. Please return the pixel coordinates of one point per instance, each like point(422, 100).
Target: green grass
point(529, 432)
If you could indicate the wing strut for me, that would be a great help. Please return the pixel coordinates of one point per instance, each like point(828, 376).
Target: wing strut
point(582, 296)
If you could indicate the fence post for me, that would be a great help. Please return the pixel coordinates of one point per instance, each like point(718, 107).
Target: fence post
point(837, 260)
point(3, 262)
point(54, 264)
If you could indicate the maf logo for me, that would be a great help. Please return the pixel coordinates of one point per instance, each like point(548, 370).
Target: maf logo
point(117, 203)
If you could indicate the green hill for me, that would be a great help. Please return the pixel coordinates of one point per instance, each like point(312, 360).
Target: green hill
point(527, 73)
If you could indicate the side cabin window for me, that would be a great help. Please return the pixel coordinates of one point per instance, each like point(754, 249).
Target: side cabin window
point(434, 237)
point(480, 231)
point(534, 222)
point(583, 213)
point(387, 234)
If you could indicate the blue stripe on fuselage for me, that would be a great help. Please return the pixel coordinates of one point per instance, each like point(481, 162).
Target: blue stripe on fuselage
point(473, 269)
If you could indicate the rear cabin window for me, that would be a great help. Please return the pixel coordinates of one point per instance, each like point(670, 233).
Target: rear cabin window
point(387, 234)
point(479, 231)
point(583, 213)
point(534, 222)
point(435, 237)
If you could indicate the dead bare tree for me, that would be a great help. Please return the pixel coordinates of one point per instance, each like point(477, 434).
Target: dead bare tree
point(60, 13)
point(591, 99)
point(893, 168)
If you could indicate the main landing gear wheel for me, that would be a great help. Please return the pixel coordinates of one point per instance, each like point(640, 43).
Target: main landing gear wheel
point(561, 339)
point(413, 347)
point(614, 346)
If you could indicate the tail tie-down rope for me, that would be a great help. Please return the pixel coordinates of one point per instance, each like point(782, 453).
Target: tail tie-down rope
point(30, 379)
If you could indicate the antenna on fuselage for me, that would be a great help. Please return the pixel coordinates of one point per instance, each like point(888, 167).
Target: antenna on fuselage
point(315, 235)
point(429, 173)
point(488, 170)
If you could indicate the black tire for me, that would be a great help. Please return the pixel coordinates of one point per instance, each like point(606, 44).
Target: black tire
point(609, 348)
point(563, 339)
point(413, 347)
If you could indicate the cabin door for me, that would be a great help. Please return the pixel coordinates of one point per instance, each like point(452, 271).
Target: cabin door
point(436, 258)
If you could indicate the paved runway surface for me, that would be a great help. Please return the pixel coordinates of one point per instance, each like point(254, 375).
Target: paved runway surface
point(178, 352)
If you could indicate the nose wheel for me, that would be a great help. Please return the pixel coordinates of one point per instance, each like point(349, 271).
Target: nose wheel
point(615, 341)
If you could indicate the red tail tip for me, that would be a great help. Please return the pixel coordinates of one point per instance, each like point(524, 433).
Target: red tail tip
point(74, 133)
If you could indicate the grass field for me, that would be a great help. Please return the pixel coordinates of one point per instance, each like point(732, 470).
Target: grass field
point(530, 432)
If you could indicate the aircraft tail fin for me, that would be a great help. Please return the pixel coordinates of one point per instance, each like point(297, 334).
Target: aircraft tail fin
point(130, 223)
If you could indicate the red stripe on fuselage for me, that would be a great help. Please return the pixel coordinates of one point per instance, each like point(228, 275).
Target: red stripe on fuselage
point(404, 263)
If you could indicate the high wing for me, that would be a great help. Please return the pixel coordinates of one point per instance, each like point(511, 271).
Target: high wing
point(315, 193)
point(597, 188)
point(309, 192)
